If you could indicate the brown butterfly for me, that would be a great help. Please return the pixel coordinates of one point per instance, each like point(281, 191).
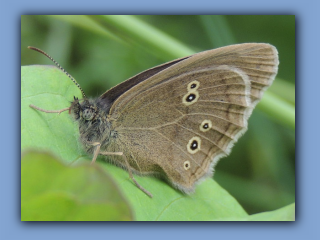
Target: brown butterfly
point(178, 119)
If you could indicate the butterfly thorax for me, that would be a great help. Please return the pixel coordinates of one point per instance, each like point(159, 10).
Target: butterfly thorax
point(94, 126)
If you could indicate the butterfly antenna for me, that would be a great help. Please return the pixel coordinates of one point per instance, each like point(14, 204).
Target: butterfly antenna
point(62, 69)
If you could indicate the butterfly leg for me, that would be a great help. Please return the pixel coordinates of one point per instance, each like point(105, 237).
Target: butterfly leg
point(48, 111)
point(97, 151)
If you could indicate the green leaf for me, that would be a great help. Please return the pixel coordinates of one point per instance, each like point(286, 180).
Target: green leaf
point(286, 213)
point(51, 191)
point(49, 88)
point(283, 214)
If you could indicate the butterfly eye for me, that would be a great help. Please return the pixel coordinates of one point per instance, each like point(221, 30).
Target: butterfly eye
point(88, 114)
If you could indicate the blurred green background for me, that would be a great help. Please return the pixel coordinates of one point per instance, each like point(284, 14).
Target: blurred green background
point(102, 52)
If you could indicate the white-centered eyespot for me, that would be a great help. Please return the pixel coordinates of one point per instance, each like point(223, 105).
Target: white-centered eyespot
point(194, 145)
point(206, 125)
point(194, 85)
point(190, 98)
point(186, 165)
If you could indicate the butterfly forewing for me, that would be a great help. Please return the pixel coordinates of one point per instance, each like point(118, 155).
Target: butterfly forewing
point(180, 121)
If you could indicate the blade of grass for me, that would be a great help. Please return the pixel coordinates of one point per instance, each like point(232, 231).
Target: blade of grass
point(278, 109)
point(60, 46)
point(88, 24)
point(145, 35)
point(283, 89)
point(218, 30)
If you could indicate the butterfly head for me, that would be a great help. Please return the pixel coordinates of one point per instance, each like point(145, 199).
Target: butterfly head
point(85, 110)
